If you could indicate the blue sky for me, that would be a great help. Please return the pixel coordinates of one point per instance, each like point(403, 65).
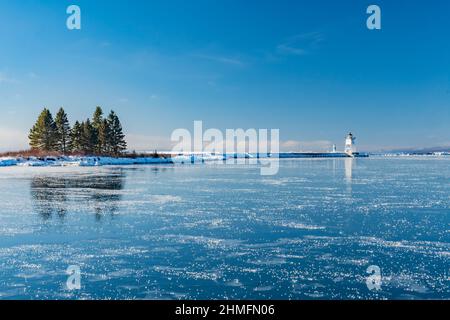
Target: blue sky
point(310, 68)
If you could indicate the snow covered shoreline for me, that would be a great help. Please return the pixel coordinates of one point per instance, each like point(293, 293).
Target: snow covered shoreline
point(78, 161)
point(91, 161)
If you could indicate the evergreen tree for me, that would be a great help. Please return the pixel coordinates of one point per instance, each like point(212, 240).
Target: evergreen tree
point(43, 134)
point(97, 122)
point(62, 132)
point(116, 138)
point(76, 137)
point(104, 133)
point(88, 137)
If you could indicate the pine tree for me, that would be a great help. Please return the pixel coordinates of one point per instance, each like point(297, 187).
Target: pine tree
point(104, 133)
point(116, 140)
point(43, 134)
point(76, 135)
point(88, 137)
point(62, 131)
point(97, 122)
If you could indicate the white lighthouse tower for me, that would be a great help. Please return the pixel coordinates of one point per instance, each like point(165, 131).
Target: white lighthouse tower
point(350, 144)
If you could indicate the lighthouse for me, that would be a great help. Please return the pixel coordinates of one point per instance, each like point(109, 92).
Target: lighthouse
point(350, 144)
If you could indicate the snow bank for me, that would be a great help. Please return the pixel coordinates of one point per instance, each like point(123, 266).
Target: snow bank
point(7, 162)
point(77, 161)
point(86, 161)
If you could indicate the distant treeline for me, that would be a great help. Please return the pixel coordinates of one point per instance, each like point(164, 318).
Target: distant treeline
point(101, 136)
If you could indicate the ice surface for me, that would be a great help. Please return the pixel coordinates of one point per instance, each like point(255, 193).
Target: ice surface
point(223, 231)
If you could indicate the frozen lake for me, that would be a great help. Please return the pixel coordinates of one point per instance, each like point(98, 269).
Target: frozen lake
point(215, 231)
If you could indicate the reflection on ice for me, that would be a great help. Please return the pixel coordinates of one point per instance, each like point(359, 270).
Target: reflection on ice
point(349, 162)
point(53, 194)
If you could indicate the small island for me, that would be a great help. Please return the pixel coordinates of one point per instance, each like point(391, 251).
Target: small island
point(96, 142)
